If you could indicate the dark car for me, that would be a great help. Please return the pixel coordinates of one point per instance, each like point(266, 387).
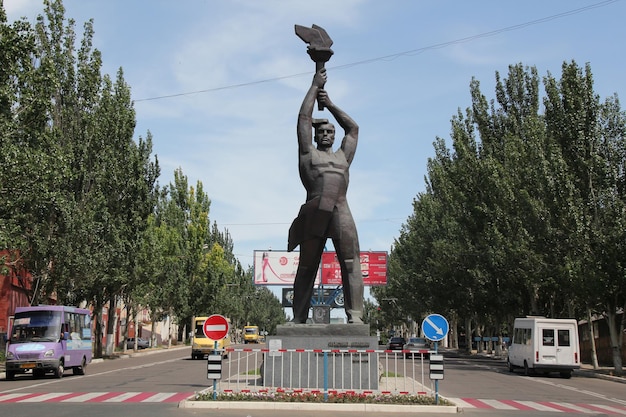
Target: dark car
point(396, 343)
point(141, 343)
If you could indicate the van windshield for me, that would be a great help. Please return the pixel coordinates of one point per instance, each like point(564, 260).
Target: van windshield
point(36, 326)
point(199, 332)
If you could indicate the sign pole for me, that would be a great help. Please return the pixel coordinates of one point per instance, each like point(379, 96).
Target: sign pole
point(215, 379)
point(436, 381)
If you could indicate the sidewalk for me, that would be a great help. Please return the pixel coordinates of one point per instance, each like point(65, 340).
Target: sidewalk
point(603, 372)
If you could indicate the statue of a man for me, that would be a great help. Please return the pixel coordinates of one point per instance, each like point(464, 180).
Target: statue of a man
point(325, 176)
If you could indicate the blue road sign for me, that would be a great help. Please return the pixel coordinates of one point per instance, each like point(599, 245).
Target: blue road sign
point(435, 327)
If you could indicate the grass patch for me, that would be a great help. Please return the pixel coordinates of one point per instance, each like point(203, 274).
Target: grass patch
point(253, 372)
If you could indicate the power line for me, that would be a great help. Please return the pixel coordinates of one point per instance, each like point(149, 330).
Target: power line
point(399, 54)
point(391, 220)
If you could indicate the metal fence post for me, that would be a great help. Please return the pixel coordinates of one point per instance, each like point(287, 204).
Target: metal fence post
point(325, 376)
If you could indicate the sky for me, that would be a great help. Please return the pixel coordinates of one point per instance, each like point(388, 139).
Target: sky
point(219, 83)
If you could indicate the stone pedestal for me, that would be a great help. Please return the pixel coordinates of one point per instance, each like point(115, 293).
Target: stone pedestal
point(318, 356)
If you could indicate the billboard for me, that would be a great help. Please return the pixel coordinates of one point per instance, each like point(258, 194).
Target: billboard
point(373, 268)
point(280, 267)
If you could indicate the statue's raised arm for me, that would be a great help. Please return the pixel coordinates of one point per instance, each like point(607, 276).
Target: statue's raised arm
point(350, 127)
point(305, 116)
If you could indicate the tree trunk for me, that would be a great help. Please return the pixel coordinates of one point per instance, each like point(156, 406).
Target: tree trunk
point(136, 327)
point(616, 335)
point(153, 337)
point(454, 326)
point(498, 347)
point(479, 334)
point(534, 300)
point(111, 320)
point(468, 334)
point(594, 354)
point(97, 312)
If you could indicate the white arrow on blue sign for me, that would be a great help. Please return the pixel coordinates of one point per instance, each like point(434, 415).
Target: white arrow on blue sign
point(435, 327)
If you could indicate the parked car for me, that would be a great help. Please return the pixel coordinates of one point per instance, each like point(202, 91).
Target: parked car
point(396, 343)
point(141, 343)
point(415, 345)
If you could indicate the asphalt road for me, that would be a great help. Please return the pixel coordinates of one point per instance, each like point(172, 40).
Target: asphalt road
point(482, 384)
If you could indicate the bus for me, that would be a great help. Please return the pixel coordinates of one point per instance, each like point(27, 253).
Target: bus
point(251, 334)
point(49, 339)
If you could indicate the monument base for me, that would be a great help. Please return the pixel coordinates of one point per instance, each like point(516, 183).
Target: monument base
point(321, 356)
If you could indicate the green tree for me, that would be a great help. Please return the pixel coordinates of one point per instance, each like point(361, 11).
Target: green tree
point(526, 214)
point(81, 187)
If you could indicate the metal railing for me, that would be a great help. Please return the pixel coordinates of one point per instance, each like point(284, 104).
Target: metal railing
point(325, 371)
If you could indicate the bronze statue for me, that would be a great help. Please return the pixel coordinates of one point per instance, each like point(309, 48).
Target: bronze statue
point(325, 176)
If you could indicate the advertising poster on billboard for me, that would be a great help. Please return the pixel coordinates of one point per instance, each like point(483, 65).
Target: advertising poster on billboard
point(276, 267)
point(373, 268)
point(280, 267)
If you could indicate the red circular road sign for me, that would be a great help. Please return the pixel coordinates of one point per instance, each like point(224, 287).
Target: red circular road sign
point(215, 327)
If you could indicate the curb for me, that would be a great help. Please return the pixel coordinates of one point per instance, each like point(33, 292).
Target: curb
point(295, 406)
point(590, 373)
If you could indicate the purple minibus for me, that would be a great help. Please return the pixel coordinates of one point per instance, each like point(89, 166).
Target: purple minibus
point(49, 338)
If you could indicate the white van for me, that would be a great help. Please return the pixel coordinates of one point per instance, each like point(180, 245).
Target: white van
point(544, 345)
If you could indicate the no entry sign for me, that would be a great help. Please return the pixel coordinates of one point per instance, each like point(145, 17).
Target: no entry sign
point(215, 327)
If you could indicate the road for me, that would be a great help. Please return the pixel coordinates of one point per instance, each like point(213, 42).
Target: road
point(489, 379)
point(482, 385)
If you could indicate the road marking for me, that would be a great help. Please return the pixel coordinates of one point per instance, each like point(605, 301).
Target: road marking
point(607, 408)
point(80, 398)
point(569, 408)
point(120, 398)
point(499, 405)
point(539, 406)
point(170, 397)
point(517, 405)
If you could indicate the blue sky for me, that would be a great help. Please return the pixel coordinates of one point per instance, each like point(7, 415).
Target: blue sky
point(236, 74)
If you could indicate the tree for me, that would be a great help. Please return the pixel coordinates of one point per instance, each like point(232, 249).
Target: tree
point(526, 214)
point(81, 188)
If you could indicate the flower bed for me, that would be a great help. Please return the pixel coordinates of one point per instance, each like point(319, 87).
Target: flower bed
point(318, 397)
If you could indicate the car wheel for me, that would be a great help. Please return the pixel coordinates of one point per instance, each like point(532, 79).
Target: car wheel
point(339, 299)
point(510, 365)
point(10, 375)
point(58, 372)
point(80, 370)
